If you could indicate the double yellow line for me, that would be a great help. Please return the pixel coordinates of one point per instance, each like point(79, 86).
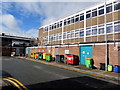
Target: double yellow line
point(15, 83)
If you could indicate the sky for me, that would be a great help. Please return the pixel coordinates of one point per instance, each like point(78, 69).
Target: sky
point(25, 17)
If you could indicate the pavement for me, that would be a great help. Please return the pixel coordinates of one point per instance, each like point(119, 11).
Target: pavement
point(111, 76)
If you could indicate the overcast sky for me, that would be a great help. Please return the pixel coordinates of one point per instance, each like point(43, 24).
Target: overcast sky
point(26, 17)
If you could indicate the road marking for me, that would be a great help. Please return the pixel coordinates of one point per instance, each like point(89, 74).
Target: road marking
point(16, 83)
point(13, 83)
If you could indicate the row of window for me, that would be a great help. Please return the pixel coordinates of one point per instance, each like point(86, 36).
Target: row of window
point(95, 30)
point(80, 17)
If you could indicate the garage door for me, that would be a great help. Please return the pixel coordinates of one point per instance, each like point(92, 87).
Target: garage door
point(85, 52)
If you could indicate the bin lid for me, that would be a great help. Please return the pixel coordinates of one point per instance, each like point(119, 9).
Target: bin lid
point(69, 54)
point(89, 58)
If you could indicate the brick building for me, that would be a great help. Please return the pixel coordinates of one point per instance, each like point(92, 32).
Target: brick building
point(90, 33)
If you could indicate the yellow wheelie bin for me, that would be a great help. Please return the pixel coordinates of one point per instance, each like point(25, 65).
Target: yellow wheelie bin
point(33, 55)
point(44, 55)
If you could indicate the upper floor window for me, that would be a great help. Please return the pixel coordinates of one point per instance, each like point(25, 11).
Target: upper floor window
point(64, 35)
point(77, 33)
point(55, 26)
point(69, 34)
point(109, 8)
point(117, 26)
point(68, 20)
point(76, 18)
point(88, 14)
point(101, 29)
point(72, 20)
point(88, 31)
point(101, 10)
point(117, 6)
point(94, 30)
point(59, 36)
point(81, 32)
point(109, 28)
point(60, 23)
point(65, 22)
point(72, 33)
point(50, 28)
point(94, 12)
point(81, 17)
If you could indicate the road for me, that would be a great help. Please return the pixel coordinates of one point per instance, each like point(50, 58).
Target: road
point(37, 75)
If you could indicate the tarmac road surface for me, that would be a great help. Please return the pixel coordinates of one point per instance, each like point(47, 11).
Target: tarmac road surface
point(38, 75)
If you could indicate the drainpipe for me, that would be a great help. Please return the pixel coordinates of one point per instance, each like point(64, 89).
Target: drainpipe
point(106, 51)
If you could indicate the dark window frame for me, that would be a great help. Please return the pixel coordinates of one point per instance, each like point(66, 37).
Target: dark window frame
point(101, 11)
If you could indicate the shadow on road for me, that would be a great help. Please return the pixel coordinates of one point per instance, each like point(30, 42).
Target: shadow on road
point(78, 82)
point(5, 74)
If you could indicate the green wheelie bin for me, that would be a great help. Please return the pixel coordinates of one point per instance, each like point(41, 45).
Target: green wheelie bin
point(40, 55)
point(48, 57)
point(89, 62)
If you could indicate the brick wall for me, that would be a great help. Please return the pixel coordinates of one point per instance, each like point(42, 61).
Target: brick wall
point(99, 52)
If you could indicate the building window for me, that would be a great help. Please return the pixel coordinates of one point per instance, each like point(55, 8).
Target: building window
point(64, 35)
point(109, 28)
point(55, 26)
point(77, 33)
point(60, 23)
point(81, 32)
point(117, 6)
point(101, 10)
point(76, 18)
point(68, 35)
point(50, 28)
point(117, 26)
point(94, 30)
point(59, 36)
point(68, 20)
point(65, 22)
point(94, 12)
point(109, 9)
point(81, 17)
point(56, 37)
point(101, 29)
point(72, 34)
point(72, 20)
point(88, 31)
point(88, 14)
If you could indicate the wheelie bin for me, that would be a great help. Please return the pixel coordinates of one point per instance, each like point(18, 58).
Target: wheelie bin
point(89, 62)
point(102, 66)
point(48, 57)
point(33, 55)
point(110, 68)
point(72, 59)
point(59, 58)
point(36, 55)
point(44, 55)
point(40, 56)
point(117, 69)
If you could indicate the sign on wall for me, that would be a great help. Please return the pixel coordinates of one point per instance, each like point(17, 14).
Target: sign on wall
point(66, 51)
